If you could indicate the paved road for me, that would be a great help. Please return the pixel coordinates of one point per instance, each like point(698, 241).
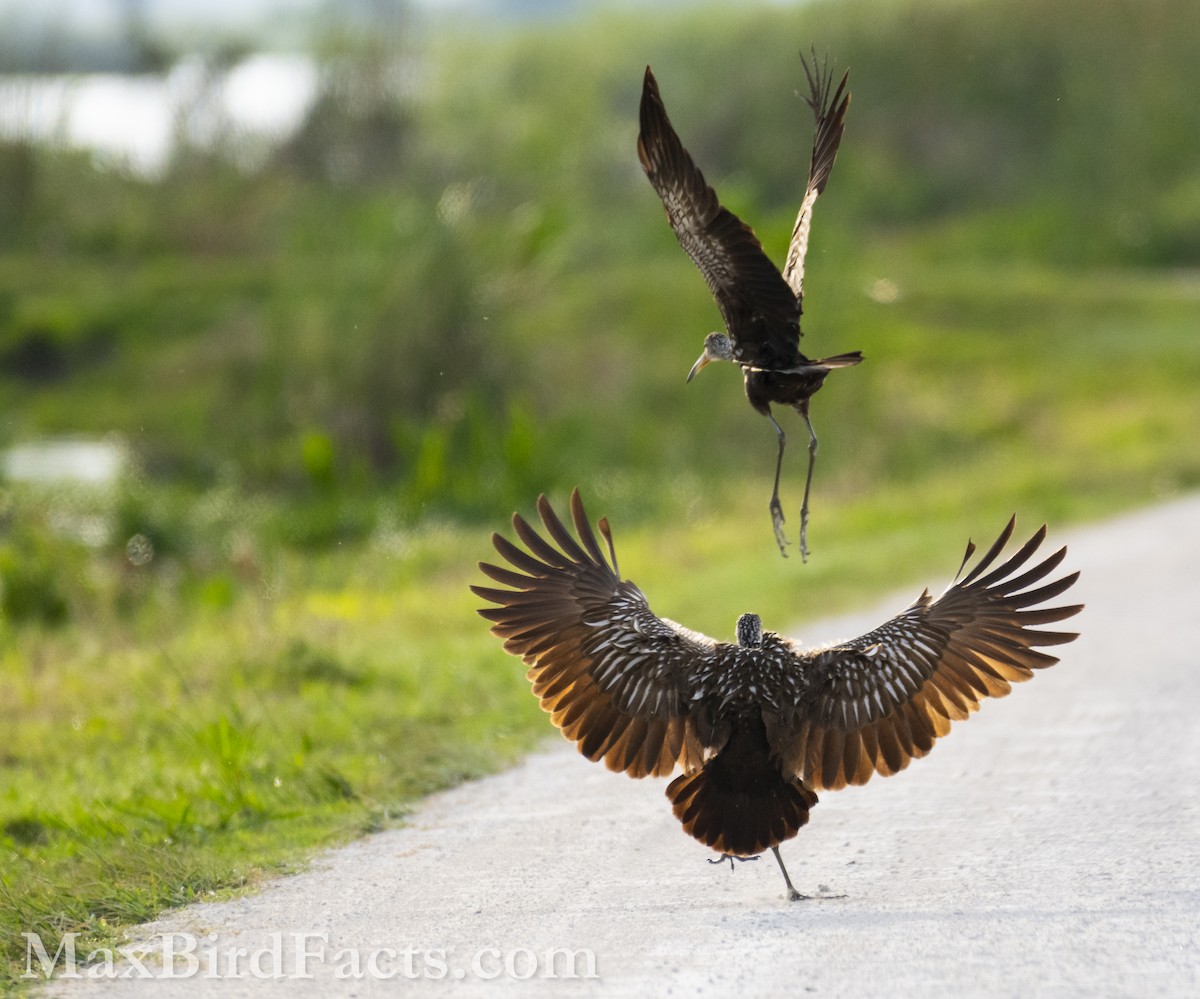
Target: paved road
point(1049, 846)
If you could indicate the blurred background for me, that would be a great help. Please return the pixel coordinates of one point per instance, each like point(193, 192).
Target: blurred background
point(299, 299)
point(379, 260)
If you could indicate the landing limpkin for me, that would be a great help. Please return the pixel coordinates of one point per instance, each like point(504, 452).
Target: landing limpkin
point(760, 306)
point(760, 726)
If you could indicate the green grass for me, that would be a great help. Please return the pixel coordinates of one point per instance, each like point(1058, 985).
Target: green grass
point(156, 757)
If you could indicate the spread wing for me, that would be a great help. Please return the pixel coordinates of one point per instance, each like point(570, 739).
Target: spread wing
point(760, 311)
point(613, 676)
point(829, 113)
point(873, 704)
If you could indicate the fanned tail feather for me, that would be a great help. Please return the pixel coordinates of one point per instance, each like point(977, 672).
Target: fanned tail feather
point(740, 803)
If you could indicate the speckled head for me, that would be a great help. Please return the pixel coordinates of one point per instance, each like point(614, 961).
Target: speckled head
point(717, 347)
point(749, 631)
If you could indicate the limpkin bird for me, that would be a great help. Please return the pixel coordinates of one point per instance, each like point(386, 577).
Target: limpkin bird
point(761, 307)
point(759, 726)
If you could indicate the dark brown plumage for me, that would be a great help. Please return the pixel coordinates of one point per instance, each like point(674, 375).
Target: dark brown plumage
point(761, 307)
point(759, 726)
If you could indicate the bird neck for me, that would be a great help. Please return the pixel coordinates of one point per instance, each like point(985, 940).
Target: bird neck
point(749, 631)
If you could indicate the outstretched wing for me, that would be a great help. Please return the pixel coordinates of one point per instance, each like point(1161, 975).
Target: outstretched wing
point(829, 113)
point(874, 704)
point(759, 309)
point(612, 675)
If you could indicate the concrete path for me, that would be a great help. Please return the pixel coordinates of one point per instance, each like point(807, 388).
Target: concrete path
point(1050, 846)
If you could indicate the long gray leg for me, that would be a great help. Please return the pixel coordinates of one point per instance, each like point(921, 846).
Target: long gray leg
point(812, 460)
point(793, 895)
point(776, 507)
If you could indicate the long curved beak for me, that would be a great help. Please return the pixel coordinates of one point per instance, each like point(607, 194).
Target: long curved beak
point(700, 363)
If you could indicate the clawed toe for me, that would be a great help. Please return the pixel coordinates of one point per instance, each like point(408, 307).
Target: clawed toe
point(777, 522)
point(731, 858)
point(795, 896)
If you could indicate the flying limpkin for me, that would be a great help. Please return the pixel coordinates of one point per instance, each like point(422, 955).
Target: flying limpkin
point(760, 306)
point(760, 726)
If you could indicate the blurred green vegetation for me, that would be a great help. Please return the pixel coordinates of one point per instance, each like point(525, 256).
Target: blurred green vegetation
point(336, 374)
point(437, 290)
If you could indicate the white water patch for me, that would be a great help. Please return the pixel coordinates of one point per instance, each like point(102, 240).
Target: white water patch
point(136, 121)
point(61, 460)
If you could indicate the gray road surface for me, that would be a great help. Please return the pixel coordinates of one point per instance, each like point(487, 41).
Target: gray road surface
point(1050, 846)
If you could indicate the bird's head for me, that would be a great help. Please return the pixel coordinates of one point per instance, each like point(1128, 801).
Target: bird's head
point(749, 631)
point(717, 347)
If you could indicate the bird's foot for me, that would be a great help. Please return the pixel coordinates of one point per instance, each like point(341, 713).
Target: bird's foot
point(823, 896)
point(731, 858)
point(777, 523)
point(803, 535)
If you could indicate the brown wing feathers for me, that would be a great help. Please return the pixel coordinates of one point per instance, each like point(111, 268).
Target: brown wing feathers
point(882, 700)
point(830, 122)
point(755, 302)
point(830, 114)
point(563, 617)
